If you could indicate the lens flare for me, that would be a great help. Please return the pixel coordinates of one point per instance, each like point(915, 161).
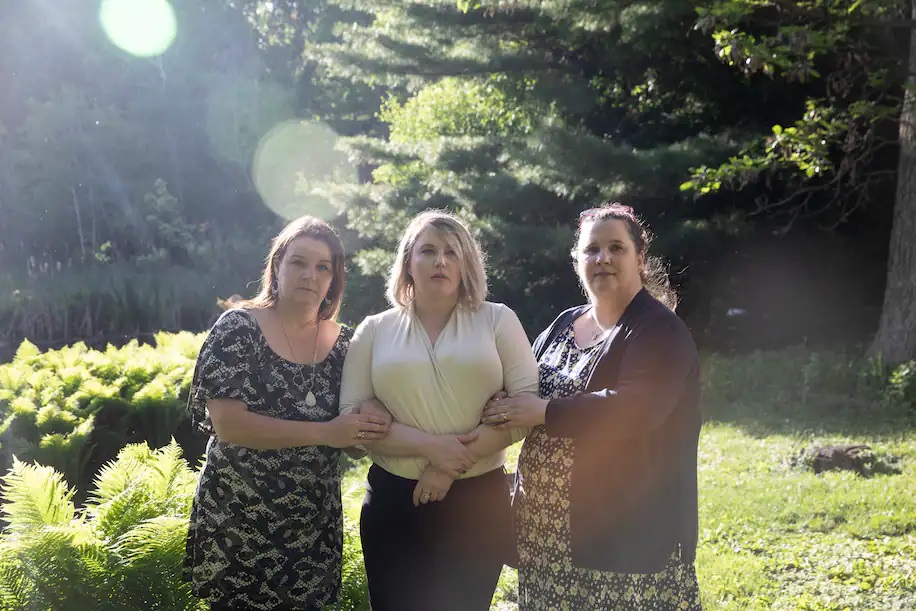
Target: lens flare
point(292, 162)
point(143, 28)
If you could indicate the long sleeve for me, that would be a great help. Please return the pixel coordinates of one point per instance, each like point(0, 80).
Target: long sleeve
point(655, 370)
point(520, 369)
point(356, 382)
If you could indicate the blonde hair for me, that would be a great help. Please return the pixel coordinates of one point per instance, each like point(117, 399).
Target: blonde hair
point(311, 227)
point(473, 289)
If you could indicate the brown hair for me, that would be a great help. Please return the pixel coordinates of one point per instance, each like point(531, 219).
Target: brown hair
point(654, 273)
point(311, 227)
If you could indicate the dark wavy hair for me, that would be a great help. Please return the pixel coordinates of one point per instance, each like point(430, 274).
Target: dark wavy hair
point(311, 227)
point(654, 274)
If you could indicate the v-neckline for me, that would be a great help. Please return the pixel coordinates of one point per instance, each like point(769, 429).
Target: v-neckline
point(431, 345)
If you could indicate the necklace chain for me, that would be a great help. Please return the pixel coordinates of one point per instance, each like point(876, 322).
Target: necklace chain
point(314, 357)
point(600, 331)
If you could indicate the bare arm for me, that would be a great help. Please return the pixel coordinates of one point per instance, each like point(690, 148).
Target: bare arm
point(234, 423)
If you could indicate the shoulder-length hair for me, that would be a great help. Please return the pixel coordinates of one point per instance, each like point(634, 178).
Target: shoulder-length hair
point(473, 288)
point(311, 227)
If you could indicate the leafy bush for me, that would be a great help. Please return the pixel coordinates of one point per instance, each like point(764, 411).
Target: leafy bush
point(903, 383)
point(122, 551)
point(788, 382)
point(73, 409)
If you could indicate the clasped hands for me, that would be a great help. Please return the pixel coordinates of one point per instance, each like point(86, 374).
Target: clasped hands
point(449, 455)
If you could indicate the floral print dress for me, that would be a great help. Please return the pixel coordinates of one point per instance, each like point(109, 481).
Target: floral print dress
point(547, 579)
point(266, 528)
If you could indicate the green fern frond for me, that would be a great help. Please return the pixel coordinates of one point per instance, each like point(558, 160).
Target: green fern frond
point(51, 569)
point(117, 516)
point(157, 541)
point(169, 469)
point(140, 452)
point(33, 496)
point(13, 588)
point(151, 565)
point(26, 352)
point(112, 480)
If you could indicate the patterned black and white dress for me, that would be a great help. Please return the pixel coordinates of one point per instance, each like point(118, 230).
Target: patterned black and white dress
point(266, 529)
point(547, 578)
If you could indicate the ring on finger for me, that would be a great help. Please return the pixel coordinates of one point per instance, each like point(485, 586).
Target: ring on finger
point(424, 496)
point(361, 435)
point(505, 416)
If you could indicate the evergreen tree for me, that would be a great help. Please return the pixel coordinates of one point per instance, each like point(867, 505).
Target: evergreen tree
point(517, 116)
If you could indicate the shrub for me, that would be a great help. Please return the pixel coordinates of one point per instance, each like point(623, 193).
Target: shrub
point(122, 551)
point(787, 383)
point(73, 409)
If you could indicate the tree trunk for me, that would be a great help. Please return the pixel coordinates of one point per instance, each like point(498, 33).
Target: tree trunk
point(895, 340)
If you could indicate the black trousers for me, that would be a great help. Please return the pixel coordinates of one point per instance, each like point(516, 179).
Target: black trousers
point(442, 556)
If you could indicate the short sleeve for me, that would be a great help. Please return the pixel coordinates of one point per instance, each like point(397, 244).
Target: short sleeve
point(356, 383)
point(226, 366)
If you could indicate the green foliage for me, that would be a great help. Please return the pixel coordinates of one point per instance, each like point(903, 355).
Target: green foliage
point(903, 383)
point(126, 201)
point(73, 409)
point(850, 78)
point(459, 107)
point(830, 384)
point(518, 116)
point(114, 554)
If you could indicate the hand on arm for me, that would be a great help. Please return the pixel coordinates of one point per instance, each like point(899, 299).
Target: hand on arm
point(234, 424)
point(522, 411)
point(448, 453)
point(518, 408)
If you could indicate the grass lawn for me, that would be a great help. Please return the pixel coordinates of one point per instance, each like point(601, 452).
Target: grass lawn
point(776, 536)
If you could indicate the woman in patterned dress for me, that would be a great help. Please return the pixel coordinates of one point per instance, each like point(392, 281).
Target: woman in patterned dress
point(607, 491)
point(266, 523)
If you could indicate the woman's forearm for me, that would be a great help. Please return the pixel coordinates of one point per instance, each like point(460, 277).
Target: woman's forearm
point(490, 441)
point(402, 441)
point(259, 432)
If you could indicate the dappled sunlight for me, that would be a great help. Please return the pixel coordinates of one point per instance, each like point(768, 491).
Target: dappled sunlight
point(291, 165)
point(143, 28)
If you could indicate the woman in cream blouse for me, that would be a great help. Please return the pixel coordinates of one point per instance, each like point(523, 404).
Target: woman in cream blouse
point(435, 522)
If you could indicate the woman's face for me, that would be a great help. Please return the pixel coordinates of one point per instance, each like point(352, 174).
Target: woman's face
point(305, 272)
point(606, 258)
point(435, 266)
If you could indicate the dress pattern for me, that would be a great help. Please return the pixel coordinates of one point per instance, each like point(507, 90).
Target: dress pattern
point(266, 528)
point(547, 579)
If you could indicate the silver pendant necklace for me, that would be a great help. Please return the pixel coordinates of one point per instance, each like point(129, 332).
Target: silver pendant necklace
point(310, 396)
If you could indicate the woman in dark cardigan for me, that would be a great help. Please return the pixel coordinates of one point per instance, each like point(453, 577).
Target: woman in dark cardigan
point(607, 488)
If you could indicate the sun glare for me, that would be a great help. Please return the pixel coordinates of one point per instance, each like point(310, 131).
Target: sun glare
point(143, 28)
point(291, 164)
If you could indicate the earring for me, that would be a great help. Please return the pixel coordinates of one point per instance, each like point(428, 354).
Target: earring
point(274, 287)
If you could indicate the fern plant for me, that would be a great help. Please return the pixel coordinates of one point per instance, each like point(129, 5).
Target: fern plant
point(121, 552)
point(74, 408)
